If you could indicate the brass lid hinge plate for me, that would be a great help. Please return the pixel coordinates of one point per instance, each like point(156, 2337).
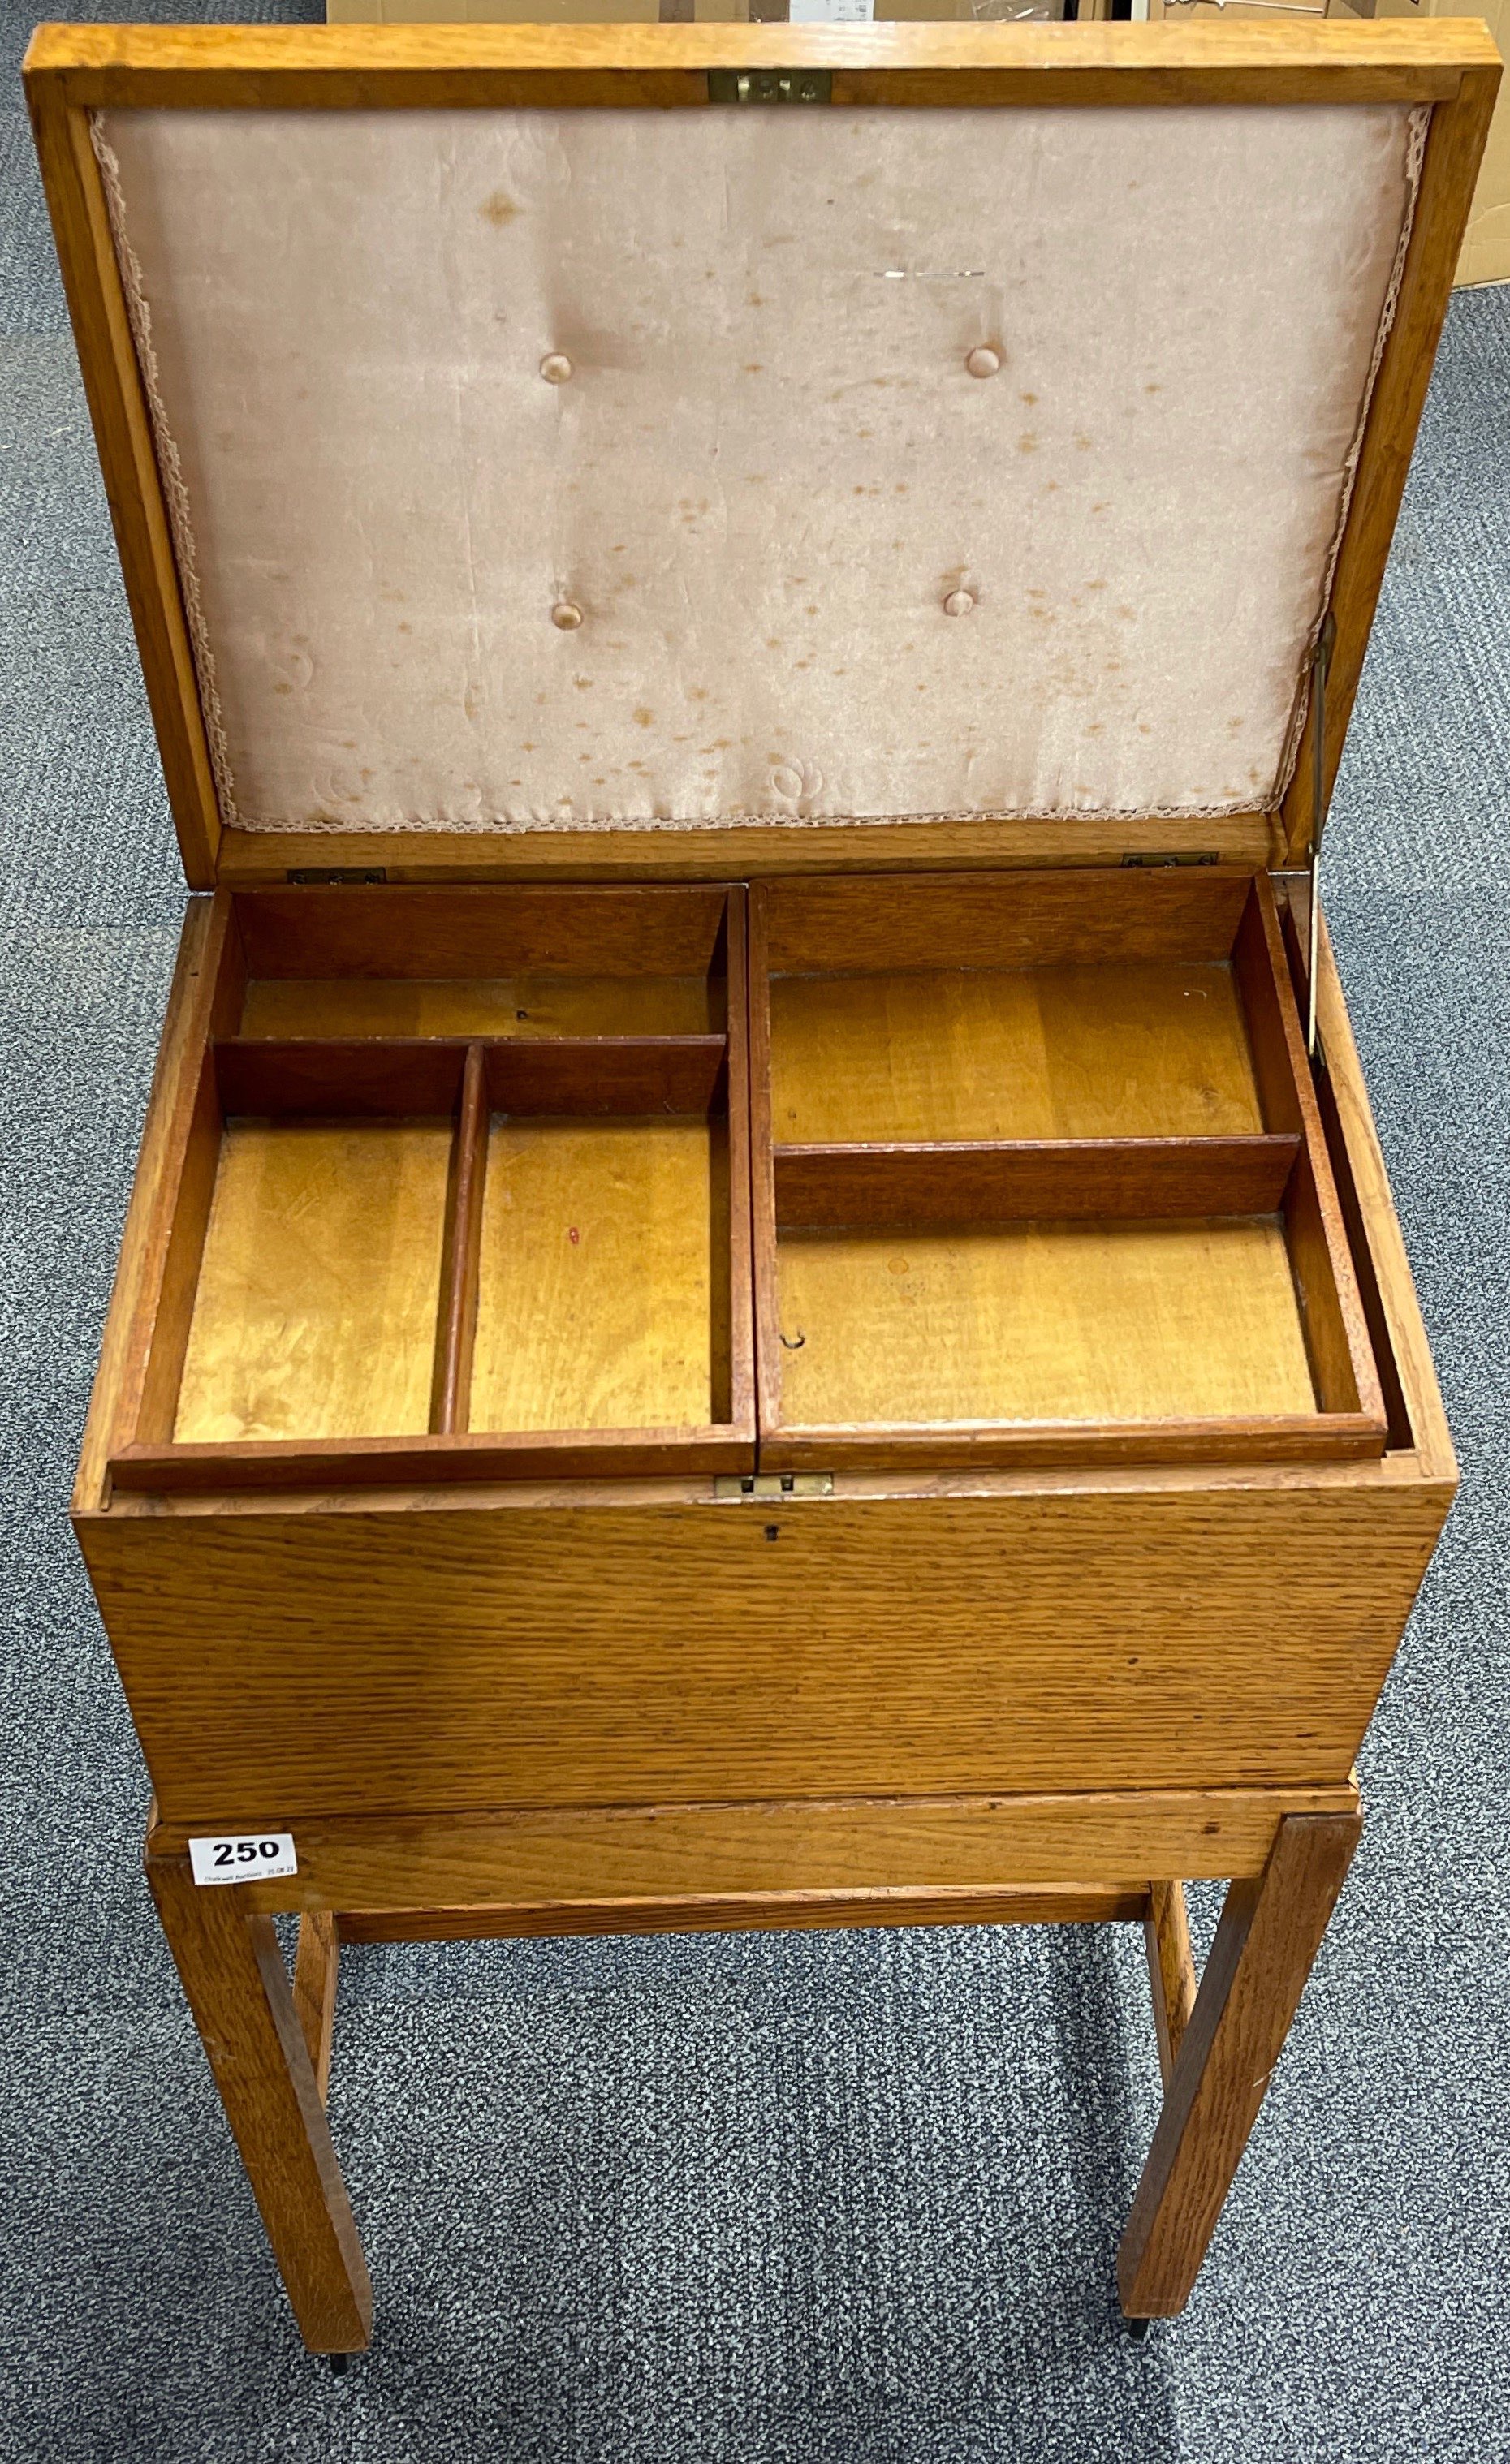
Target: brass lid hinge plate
point(770, 85)
point(329, 873)
point(772, 1486)
point(1140, 860)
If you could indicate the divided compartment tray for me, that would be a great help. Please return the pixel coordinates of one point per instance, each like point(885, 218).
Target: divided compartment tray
point(1040, 1178)
point(516, 1246)
point(504, 1182)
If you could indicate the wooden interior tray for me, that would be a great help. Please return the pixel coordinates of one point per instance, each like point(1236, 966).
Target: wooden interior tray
point(463, 1194)
point(465, 1188)
point(1039, 1176)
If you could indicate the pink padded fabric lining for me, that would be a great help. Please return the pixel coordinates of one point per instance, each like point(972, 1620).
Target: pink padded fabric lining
point(770, 468)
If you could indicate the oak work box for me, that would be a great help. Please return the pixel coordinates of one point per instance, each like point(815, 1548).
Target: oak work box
point(753, 1297)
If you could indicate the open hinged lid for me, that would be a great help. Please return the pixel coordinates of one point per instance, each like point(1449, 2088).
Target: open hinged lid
point(946, 454)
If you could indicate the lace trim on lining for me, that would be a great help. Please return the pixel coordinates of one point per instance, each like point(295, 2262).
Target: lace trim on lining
point(171, 471)
point(1420, 122)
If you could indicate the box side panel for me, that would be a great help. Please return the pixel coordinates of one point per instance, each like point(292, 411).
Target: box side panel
point(1134, 1637)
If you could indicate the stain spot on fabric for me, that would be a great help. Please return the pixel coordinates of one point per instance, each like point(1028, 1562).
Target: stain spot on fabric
point(498, 210)
point(644, 718)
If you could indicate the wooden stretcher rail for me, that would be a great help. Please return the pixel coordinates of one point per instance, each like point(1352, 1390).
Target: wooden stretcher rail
point(372, 1865)
point(757, 1912)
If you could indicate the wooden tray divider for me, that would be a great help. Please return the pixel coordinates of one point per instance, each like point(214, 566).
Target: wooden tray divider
point(848, 926)
point(164, 1341)
point(363, 1077)
point(732, 1281)
point(607, 1074)
point(456, 1315)
point(427, 931)
point(1332, 1315)
point(174, 1313)
point(829, 1188)
point(389, 1078)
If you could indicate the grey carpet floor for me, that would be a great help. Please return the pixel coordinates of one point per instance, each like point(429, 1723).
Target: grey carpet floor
point(750, 2200)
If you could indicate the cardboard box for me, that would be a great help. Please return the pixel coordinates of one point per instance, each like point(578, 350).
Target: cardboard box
point(1181, 13)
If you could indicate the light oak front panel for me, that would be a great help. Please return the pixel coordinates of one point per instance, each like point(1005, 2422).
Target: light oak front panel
point(595, 1298)
point(1136, 1050)
point(523, 1005)
point(516, 1653)
point(315, 1315)
point(1030, 1321)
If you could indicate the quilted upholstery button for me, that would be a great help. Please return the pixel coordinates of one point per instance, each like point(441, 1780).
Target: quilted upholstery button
point(983, 361)
point(959, 603)
point(566, 615)
point(555, 367)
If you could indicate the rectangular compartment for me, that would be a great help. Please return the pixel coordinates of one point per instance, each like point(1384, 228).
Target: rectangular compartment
point(1039, 1175)
point(427, 1257)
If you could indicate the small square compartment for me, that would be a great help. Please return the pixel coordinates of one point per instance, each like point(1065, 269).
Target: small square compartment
point(1039, 1176)
point(463, 1255)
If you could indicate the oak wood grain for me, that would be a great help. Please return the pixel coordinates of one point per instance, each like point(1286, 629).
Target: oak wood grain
point(521, 1007)
point(318, 1291)
point(1351, 1171)
point(1171, 1970)
point(141, 1309)
point(664, 1851)
point(1270, 1931)
point(369, 1078)
point(605, 1075)
point(1454, 146)
point(1099, 1324)
point(438, 67)
point(1121, 1048)
point(456, 1316)
point(398, 933)
point(127, 459)
point(1044, 918)
point(316, 1965)
point(756, 1912)
point(233, 1975)
point(747, 851)
point(921, 1446)
point(868, 1187)
point(594, 1297)
point(1129, 1631)
point(423, 1466)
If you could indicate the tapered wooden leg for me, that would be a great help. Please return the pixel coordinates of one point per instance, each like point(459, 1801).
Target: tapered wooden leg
point(238, 1987)
point(315, 1969)
point(1171, 1970)
point(1270, 1931)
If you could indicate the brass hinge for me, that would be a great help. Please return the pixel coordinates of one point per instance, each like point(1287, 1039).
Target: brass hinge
point(770, 85)
point(774, 1484)
point(339, 872)
point(1140, 862)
